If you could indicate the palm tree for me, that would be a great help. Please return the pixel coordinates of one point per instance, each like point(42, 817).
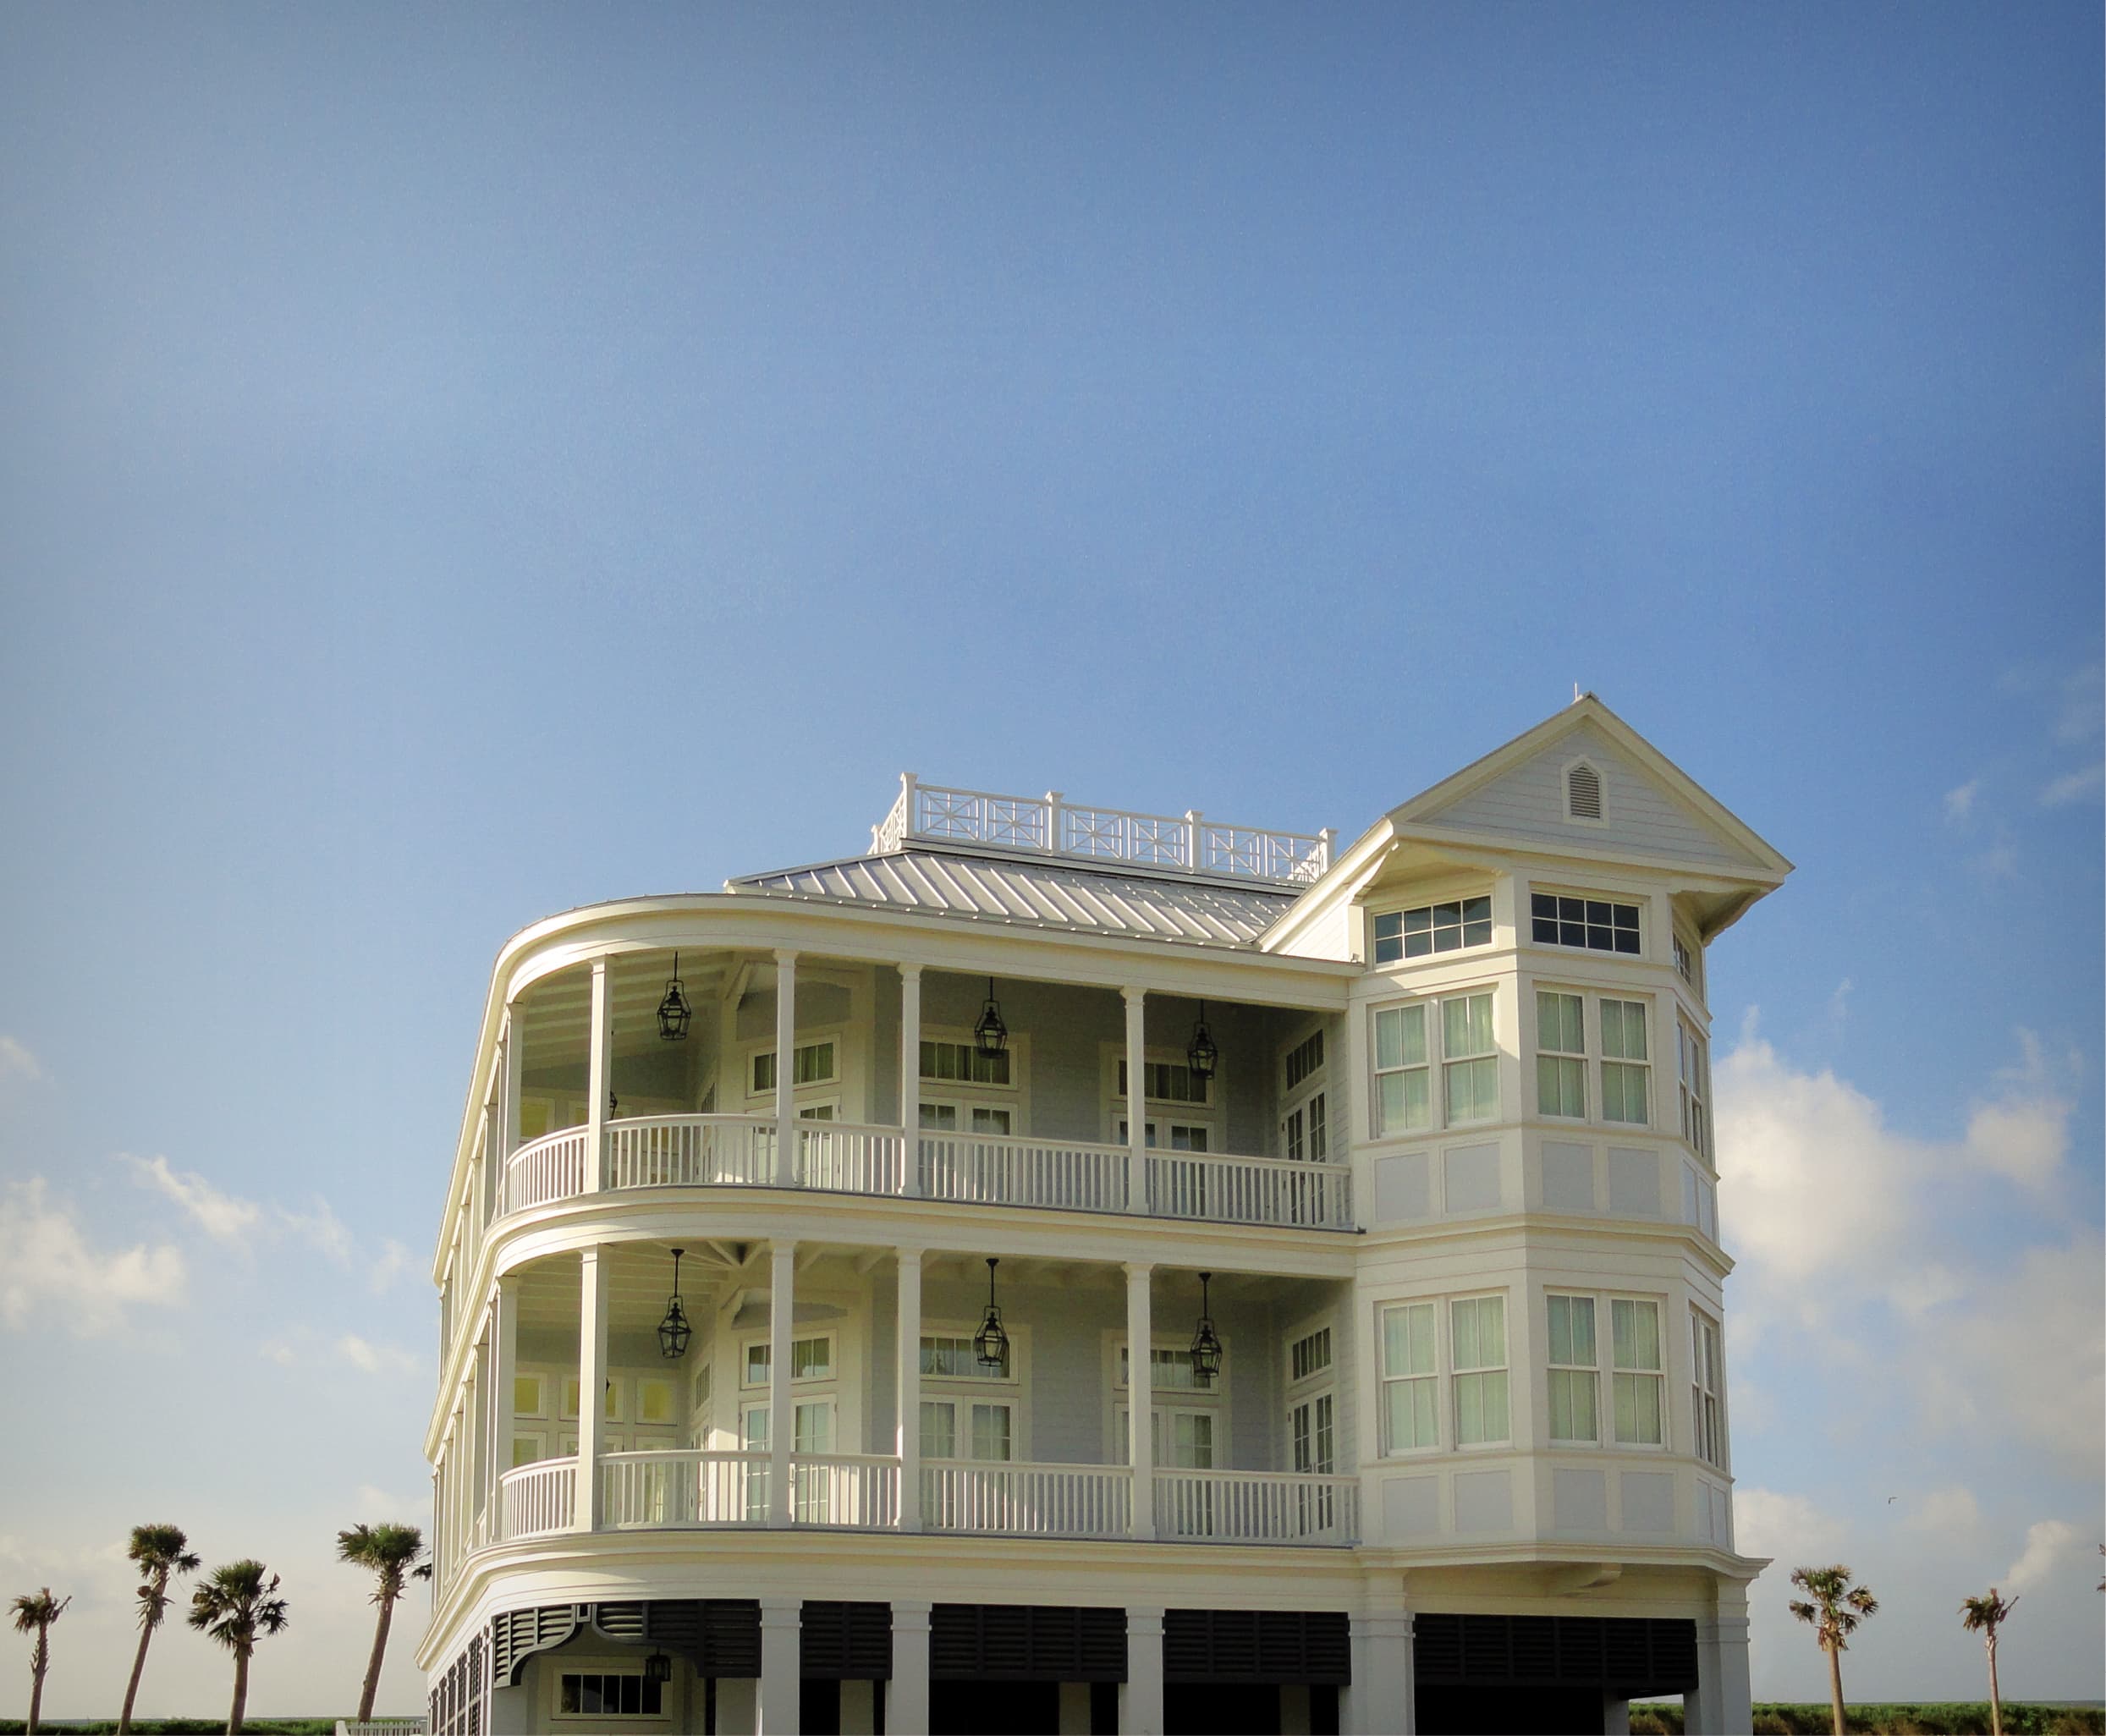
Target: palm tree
point(391, 1552)
point(157, 1551)
point(1984, 1616)
point(233, 1604)
point(34, 1614)
point(1837, 1609)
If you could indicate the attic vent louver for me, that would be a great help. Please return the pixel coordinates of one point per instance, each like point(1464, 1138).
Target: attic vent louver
point(1583, 792)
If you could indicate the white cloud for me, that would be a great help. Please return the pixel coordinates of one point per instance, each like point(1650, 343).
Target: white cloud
point(323, 1229)
point(375, 1505)
point(375, 1358)
point(1951, 1513)
point(2000, 861)
point(2081, 706)
point(225, 1217)
point(45, 1261)
point(393, 1258)
point(278, 1351)
point(1960, 803)
point(1788, 1528)
point(2020, 1137)
point(2050, 1546)
point(17, 1062)
point(2074, 786)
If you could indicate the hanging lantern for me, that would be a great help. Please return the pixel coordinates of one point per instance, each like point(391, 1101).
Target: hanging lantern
point(674, 1331)
point(673, 1011)
point(614, 1107)
point(991, 1342)
point(658, 1667)
point(1202, 1054)
point(1205, 1343)
point(990, 1036)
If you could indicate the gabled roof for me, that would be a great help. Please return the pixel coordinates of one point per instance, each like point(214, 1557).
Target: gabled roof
point(1038, 894)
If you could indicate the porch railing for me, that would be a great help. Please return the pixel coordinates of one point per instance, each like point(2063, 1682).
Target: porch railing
point(1029, 1500)
point(1256, 1507)
point(538, 1498)
point(860, 1489)
point(987, 1169)
point(683, 1486)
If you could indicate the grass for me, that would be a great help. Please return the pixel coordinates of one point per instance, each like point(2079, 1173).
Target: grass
point(1962, 1717)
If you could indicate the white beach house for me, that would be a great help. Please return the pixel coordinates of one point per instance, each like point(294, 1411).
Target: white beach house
point(1409, 1252)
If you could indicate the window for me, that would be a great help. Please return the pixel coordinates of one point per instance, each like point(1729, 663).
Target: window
point(1433, 928)
point(1625, 1063)
point(1470, 1068)
point(984, 1430)
point(1305, 1058)
point(964, 1063)
point(1689, 1054)
point(1311, 1438)
point(1409, 1376)
point(1170, 1371)
point(1309, 1356)
point(529, 1395)
point(980, 1118)
point(1574, 1384)
point(1684, 963)
point(1635, 1348)
point(606, 1696)
point(654, 1399)
point(1561, 1053)
point(1557, 919)
point(809, 1360)
point(1169, 1082)
point(948, 1358)
point(1304, 1136)
point(1183, 1440)
point(1403, 1076)
point(1582, 793)
point(1477, 1325)
point(1705, 1384)
point(811, 1064)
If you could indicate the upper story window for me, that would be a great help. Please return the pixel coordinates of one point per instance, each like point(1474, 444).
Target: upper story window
point(1309, 1355)
point(1707, 1382)
point(1684, 962)
point(809, 1360)
point(1599, 925)
point(1169, 1082)
point(1626, 1064)
point(1561, 1054)
point(1693, 1076)
point(1433, 928)
point(1405, 1057)
point(946, 1357)
point(1304, 1059)
point(811, 1064)
point(963, 1064)
point(1170, 1371)
point(1575, 1360)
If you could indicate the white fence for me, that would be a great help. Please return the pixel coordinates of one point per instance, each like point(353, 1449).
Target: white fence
point(689, 1151)
point(1256, 1507)
point(999, 1170)
point(549, 1168)
point(1029, 1500)
point(538, 1498)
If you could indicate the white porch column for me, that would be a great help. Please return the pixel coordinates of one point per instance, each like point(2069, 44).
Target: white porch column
point(907, 1705)
point(477, 1402)
point(1140, 1402)
point(909, 1447)
point(785, 1072)
point(1140, 1699)
point(1383, 1699)
point(1137, 1101)
point(782, 1422)
point(782, 1659)
point(504, 1364)
point(598, 1071)
point(910, 1079)
point(515, 1070)
point(587, 1510)
point(1722, 1702)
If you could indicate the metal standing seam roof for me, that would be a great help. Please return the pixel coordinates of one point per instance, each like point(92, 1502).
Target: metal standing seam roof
point(1043, 895)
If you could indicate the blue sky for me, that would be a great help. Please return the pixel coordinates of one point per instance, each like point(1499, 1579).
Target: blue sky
point(457, 466)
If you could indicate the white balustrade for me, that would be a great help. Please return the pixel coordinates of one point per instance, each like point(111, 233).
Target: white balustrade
point(683, 1486)
point(1256, 1507)
point(842, 1157)
point(1215, 1187)
point(1029, 1500)
point(844, 1489)
point(547, 1169)
point(689, 1151)
point(538, 1498)
point(999, 1169)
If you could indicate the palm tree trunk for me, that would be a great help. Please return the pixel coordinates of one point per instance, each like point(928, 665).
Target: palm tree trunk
point(1996, 1703)
point(372, 1668)
point(240, 1707)
point(40, 1661)
point(131, 1688)
point(1835, 1687)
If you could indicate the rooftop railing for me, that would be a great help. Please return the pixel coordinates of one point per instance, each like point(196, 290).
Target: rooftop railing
point(1050, 824)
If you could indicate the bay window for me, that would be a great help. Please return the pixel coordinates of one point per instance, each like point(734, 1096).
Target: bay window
point(1404, 1101)
point(1478, 1338)
point(1635, 1352)
point(1692, 1072)
point(1561, 1053)
point(1409, 1378)
point(1469, 1067)
point(1705, 1382)
point(1626, 1063)
point(1575, 1363)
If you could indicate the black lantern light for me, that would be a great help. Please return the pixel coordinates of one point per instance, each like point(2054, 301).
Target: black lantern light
point(674, 1331)
point(1206, 1344)
point(991, 1342)
point(990, 1036)
point(658, 1667)
point(1202, 1054)
point(673, 1011)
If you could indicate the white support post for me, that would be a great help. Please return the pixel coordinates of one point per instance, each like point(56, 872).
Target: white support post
point(1722, 1701)
point(1192, 818)
point(475, 1399)
point(1384, 1696)
point(1136, 1100)
point(907, 1704)
point(910, 1079)
point(909, 1447)
point(785, 1070)
point(1140, 1400)
point(781, 1421)
point(1056, 807)
point(782, 1666)
point(587, 1507)
point(1140, 1699)
point(504, 1364)
point(599, 1076)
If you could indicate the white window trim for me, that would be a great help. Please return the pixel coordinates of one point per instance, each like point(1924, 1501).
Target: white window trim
point(663, 1718)
point(1438, 1060)
point(1443, 1435)
point(1701, 1141)
point(1700, 1316)
point(1590, 1086)
point(1293, 1336)
point(1019, 1352)
point(1210, 1115)
point(1312, 1394)
point(1564, 792)
point(1425, 901)
point(835, 1033)
point(1445, 1341)
point(1558, 1443)
point(1525, 918)
point(961, 1397)
point(746, 1341)
point(1113, 1393)
point(1603, 1060)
